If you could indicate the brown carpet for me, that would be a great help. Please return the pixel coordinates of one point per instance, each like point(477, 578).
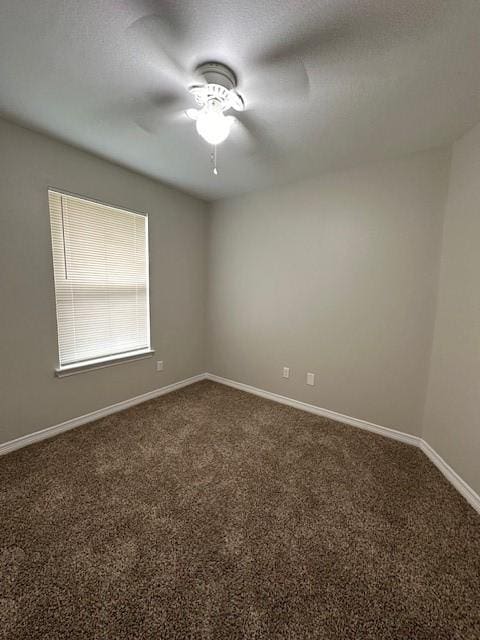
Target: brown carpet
point(210, 513)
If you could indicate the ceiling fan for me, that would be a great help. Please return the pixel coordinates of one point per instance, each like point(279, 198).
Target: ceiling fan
point(213, 87)
point(216, 96)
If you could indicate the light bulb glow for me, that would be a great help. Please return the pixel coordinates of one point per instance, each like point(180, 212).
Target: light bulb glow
point(213, 126)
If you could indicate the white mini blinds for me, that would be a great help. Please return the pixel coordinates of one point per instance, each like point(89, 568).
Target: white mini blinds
point(100, 261)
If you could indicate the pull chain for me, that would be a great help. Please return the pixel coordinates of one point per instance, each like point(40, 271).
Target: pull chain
point(213, 158)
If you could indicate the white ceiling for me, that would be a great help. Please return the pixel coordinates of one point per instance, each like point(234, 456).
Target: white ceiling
point(385, 77)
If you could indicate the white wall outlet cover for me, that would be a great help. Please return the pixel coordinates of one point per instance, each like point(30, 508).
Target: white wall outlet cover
point(286, 372)
point(311, 379)
point(159, 365)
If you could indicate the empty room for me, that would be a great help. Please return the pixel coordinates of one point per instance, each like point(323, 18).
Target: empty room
point(240, 320)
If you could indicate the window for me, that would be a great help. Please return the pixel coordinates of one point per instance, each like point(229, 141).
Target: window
point(100, 261)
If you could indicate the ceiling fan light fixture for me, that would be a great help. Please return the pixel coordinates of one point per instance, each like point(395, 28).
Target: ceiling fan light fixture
point(213, 126)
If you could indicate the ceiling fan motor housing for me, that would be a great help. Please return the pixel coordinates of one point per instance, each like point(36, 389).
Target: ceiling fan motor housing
point(219, 88)
point(217, 73)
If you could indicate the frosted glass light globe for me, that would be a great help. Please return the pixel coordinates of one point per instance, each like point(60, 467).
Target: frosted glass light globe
point(213, 126)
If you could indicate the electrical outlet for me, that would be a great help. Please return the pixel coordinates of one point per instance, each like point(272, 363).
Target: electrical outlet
point(159, 365)
point(311, 379)
point(286, 372)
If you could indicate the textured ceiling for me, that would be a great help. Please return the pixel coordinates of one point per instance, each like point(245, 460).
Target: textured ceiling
point(385, 77)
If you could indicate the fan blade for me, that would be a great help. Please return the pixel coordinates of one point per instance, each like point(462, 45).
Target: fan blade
point(278, 84)
point(161, 110)
point(335, 31)
point(150, 34)
point(251, 136)
point(237, 101)
point(154, 123)
point(307, 43)
point(335, 36)
point(241, 135)
point(192, 113)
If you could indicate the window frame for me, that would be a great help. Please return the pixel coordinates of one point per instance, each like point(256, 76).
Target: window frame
point(124, 357)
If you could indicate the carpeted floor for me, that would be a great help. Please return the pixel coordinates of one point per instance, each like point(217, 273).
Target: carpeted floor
point(213, 514)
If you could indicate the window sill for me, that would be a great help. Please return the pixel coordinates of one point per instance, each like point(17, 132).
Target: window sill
point(100, 363)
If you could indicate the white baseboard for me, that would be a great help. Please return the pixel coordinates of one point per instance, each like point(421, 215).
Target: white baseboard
point(319, 411)
point(49, 432)
point(452, 476)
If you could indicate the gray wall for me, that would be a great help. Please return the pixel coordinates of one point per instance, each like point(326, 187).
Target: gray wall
point(336, 276)
point(452, 413)
point(31, 398)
